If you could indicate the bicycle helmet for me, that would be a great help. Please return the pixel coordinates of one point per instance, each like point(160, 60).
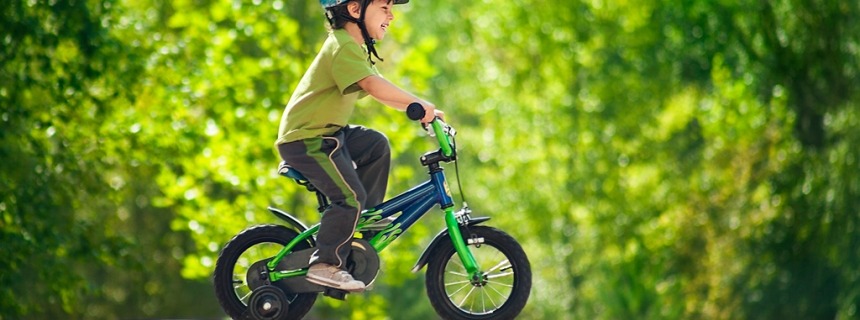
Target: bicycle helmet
point(369, 42)
point(331, 3)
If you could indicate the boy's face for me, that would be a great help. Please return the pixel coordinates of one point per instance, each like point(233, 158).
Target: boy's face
point(377, 18)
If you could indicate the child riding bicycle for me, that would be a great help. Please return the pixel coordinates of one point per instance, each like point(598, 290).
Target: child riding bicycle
point(349, 164)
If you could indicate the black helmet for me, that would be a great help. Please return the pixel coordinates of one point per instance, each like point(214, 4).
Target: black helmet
point(369, 42)
point(331, 3)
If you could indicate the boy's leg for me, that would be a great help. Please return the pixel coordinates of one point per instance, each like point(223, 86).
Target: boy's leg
point(370, 151)
point(328, 166)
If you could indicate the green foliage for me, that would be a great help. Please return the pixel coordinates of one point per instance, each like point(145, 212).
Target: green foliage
point(669, 160)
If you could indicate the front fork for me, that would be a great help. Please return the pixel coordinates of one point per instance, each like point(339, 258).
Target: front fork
point(463, 251)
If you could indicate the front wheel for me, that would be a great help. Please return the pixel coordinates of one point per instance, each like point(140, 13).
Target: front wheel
point(503, 289)
point(248, 247)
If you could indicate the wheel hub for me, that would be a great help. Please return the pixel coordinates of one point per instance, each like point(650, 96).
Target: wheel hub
point(258, 274)
point(480, 280)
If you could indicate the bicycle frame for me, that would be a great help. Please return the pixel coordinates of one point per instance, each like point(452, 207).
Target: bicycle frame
point(413, 203)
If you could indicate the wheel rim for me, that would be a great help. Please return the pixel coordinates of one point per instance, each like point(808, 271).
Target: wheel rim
point(485, 295)
point(251, 255)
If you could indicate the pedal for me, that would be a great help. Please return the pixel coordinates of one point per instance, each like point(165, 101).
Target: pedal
point(335, 293)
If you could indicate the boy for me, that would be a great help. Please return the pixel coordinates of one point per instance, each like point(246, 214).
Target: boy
point(347, 163)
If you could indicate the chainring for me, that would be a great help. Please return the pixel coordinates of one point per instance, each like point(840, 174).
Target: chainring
point(363, 262)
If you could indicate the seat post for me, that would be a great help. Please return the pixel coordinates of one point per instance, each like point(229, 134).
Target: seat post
point(323, 202)
point(286, 170)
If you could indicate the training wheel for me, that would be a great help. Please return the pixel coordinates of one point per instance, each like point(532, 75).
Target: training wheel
point(269, 303)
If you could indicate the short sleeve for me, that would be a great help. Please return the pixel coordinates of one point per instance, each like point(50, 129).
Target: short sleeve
point(349, 66)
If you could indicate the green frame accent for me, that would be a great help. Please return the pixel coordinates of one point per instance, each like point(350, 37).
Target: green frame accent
point(460, 244)
point(280, 275)
point(384, 238)
point(442, 137)
point(289, 247)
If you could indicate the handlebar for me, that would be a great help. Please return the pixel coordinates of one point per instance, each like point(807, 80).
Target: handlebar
point(443, 132)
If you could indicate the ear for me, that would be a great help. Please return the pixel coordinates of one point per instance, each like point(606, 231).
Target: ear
point(354, 9)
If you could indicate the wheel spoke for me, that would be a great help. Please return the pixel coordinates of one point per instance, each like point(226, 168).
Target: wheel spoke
point(467, 296)
point(483, 304)
point(484, 301)
point(503, 263)
point(458, 274)
point(457, 261)
point(456, 282)
point(480, 299)
point(504, 296)
point(245, 297)
point(500, 284)
point(499, 275)
point(490, 297)
point(458, 290)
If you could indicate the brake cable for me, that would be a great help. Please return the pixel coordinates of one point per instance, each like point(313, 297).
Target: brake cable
point(456, 164)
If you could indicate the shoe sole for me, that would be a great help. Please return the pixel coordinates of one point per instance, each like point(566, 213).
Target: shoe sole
point(331, 284)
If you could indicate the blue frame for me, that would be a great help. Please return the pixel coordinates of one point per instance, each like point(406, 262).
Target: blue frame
point(413, 203)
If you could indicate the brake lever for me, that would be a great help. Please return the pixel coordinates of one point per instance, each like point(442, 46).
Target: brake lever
point(428, 129)
point(447, 129)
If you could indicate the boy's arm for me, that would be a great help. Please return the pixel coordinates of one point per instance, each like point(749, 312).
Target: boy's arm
point(386, 92)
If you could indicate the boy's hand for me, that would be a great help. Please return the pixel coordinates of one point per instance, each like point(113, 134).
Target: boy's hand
point(440, 114)
point(429, 112)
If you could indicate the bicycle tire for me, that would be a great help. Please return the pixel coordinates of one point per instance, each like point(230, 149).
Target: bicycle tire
point(505, 254)
point(228, 294)
point(445, 271)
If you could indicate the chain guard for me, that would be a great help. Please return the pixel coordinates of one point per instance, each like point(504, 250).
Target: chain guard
point(363, 262)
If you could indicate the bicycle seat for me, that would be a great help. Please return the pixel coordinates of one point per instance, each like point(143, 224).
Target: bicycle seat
point(287, 171)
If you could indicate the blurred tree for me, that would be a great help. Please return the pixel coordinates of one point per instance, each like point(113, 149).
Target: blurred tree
point(77, 220)
point(681, 159)
point(678, 131)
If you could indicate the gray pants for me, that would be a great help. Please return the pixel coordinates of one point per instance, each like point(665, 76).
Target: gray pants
point(327, 162)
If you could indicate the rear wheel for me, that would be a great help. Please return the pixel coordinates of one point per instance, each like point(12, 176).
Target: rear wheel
point(500, 293)
point(248, 247)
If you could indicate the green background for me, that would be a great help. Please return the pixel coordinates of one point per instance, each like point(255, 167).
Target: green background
point(684, 159)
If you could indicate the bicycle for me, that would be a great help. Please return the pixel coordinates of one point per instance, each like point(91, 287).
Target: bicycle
point(473, 271)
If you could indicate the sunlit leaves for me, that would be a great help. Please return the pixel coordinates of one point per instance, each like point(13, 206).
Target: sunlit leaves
point(683, 159)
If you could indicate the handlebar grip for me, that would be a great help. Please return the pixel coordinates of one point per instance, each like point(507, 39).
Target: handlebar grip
point(415, 111)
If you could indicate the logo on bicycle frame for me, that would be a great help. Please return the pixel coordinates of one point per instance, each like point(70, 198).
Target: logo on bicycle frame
point(369, 217)
point(389, 234)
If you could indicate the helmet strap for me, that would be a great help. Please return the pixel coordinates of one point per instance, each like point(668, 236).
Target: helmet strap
point(368, 41)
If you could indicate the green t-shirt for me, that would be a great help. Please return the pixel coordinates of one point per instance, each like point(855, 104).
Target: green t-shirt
point(325, 98)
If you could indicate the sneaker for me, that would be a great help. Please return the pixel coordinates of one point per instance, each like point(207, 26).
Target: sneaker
point(330, 276)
